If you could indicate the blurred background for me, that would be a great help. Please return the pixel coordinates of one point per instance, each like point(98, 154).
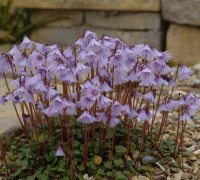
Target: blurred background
point(172, 25)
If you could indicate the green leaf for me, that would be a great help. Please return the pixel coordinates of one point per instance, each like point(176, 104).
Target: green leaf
point(127, 173)
point(120, 149)
point(119, 163)
point(31, 177)
point(147, 168)
point(120, 176)
point(80, 168)
point(76, 143)
point(42, 138)
point(92, 165)
point(23, 164)
point(107, 165)
point(174, 169)
point(131, 163)
point(77, 152)
point(100, 172)
point(43, 177)
point(19, 171)
point(109, 174)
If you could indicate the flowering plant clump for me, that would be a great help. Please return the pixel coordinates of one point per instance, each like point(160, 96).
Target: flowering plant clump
point(95, 105)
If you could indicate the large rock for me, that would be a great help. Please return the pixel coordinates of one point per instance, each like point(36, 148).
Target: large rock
point(133, 5)
point(66, 36)
point(138, 21)
point(154, 38)
point(182, 11)
point(62, 36)
point(183, 43)
point(61, 18)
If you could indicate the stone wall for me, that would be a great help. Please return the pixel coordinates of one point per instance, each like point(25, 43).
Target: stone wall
point(165, 24)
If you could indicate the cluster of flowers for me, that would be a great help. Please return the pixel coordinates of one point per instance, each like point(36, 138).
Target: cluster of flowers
point(104, 80)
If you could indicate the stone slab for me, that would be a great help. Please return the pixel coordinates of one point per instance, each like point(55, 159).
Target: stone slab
point(124, 5)
point(9, 124)
point(5, 47)
point(65, 36)
point(120, 20)
point(61, 18)
point(183, 43)
point(182, 11)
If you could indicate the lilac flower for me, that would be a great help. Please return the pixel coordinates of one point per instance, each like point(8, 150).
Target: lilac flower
point(59, 152)
point(126, 109)
point(86, 118)
point(116, 109)
point(90, 35)
point(101, 117)
point(103, 72)
point(85, 103)
point(185, 117)
point(149, 96)
point(168, 106)
point(113, 122)
point(85, 86)
point(26, 43)
point(56, 107)
point(144, 115)
point(68, 76)
point(5, 63)
point(95, 81)
point(192, 109)
point(23, 95)
point(40, 106)
point(159, 81)
point(191, 99)
point(69, 52)
point(164, 57)
point(3, 100)
point(160, 69)
point(184, 73)
point(93, 92)
point(118, 58)
point(80, 68)
point(133, 114)
point(95, 45)
point(144, 51)
point(51, 93)
point(37, 59)
point(120, 76)
point(146, 77)
point(104, 102)
point(105, 87)
point(133, 76)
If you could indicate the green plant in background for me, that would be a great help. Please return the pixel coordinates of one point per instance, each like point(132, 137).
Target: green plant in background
point(15, 22)
point(97, 107)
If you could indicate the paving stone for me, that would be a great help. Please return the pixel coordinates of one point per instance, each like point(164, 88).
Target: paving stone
point(9, 124)
point(182, 11)
point(120, 20)
point(61, 18)
point(183, 44)
point(133, 5)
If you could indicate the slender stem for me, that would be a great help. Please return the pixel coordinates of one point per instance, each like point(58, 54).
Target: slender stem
point(177, 134)
point(156, 109)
